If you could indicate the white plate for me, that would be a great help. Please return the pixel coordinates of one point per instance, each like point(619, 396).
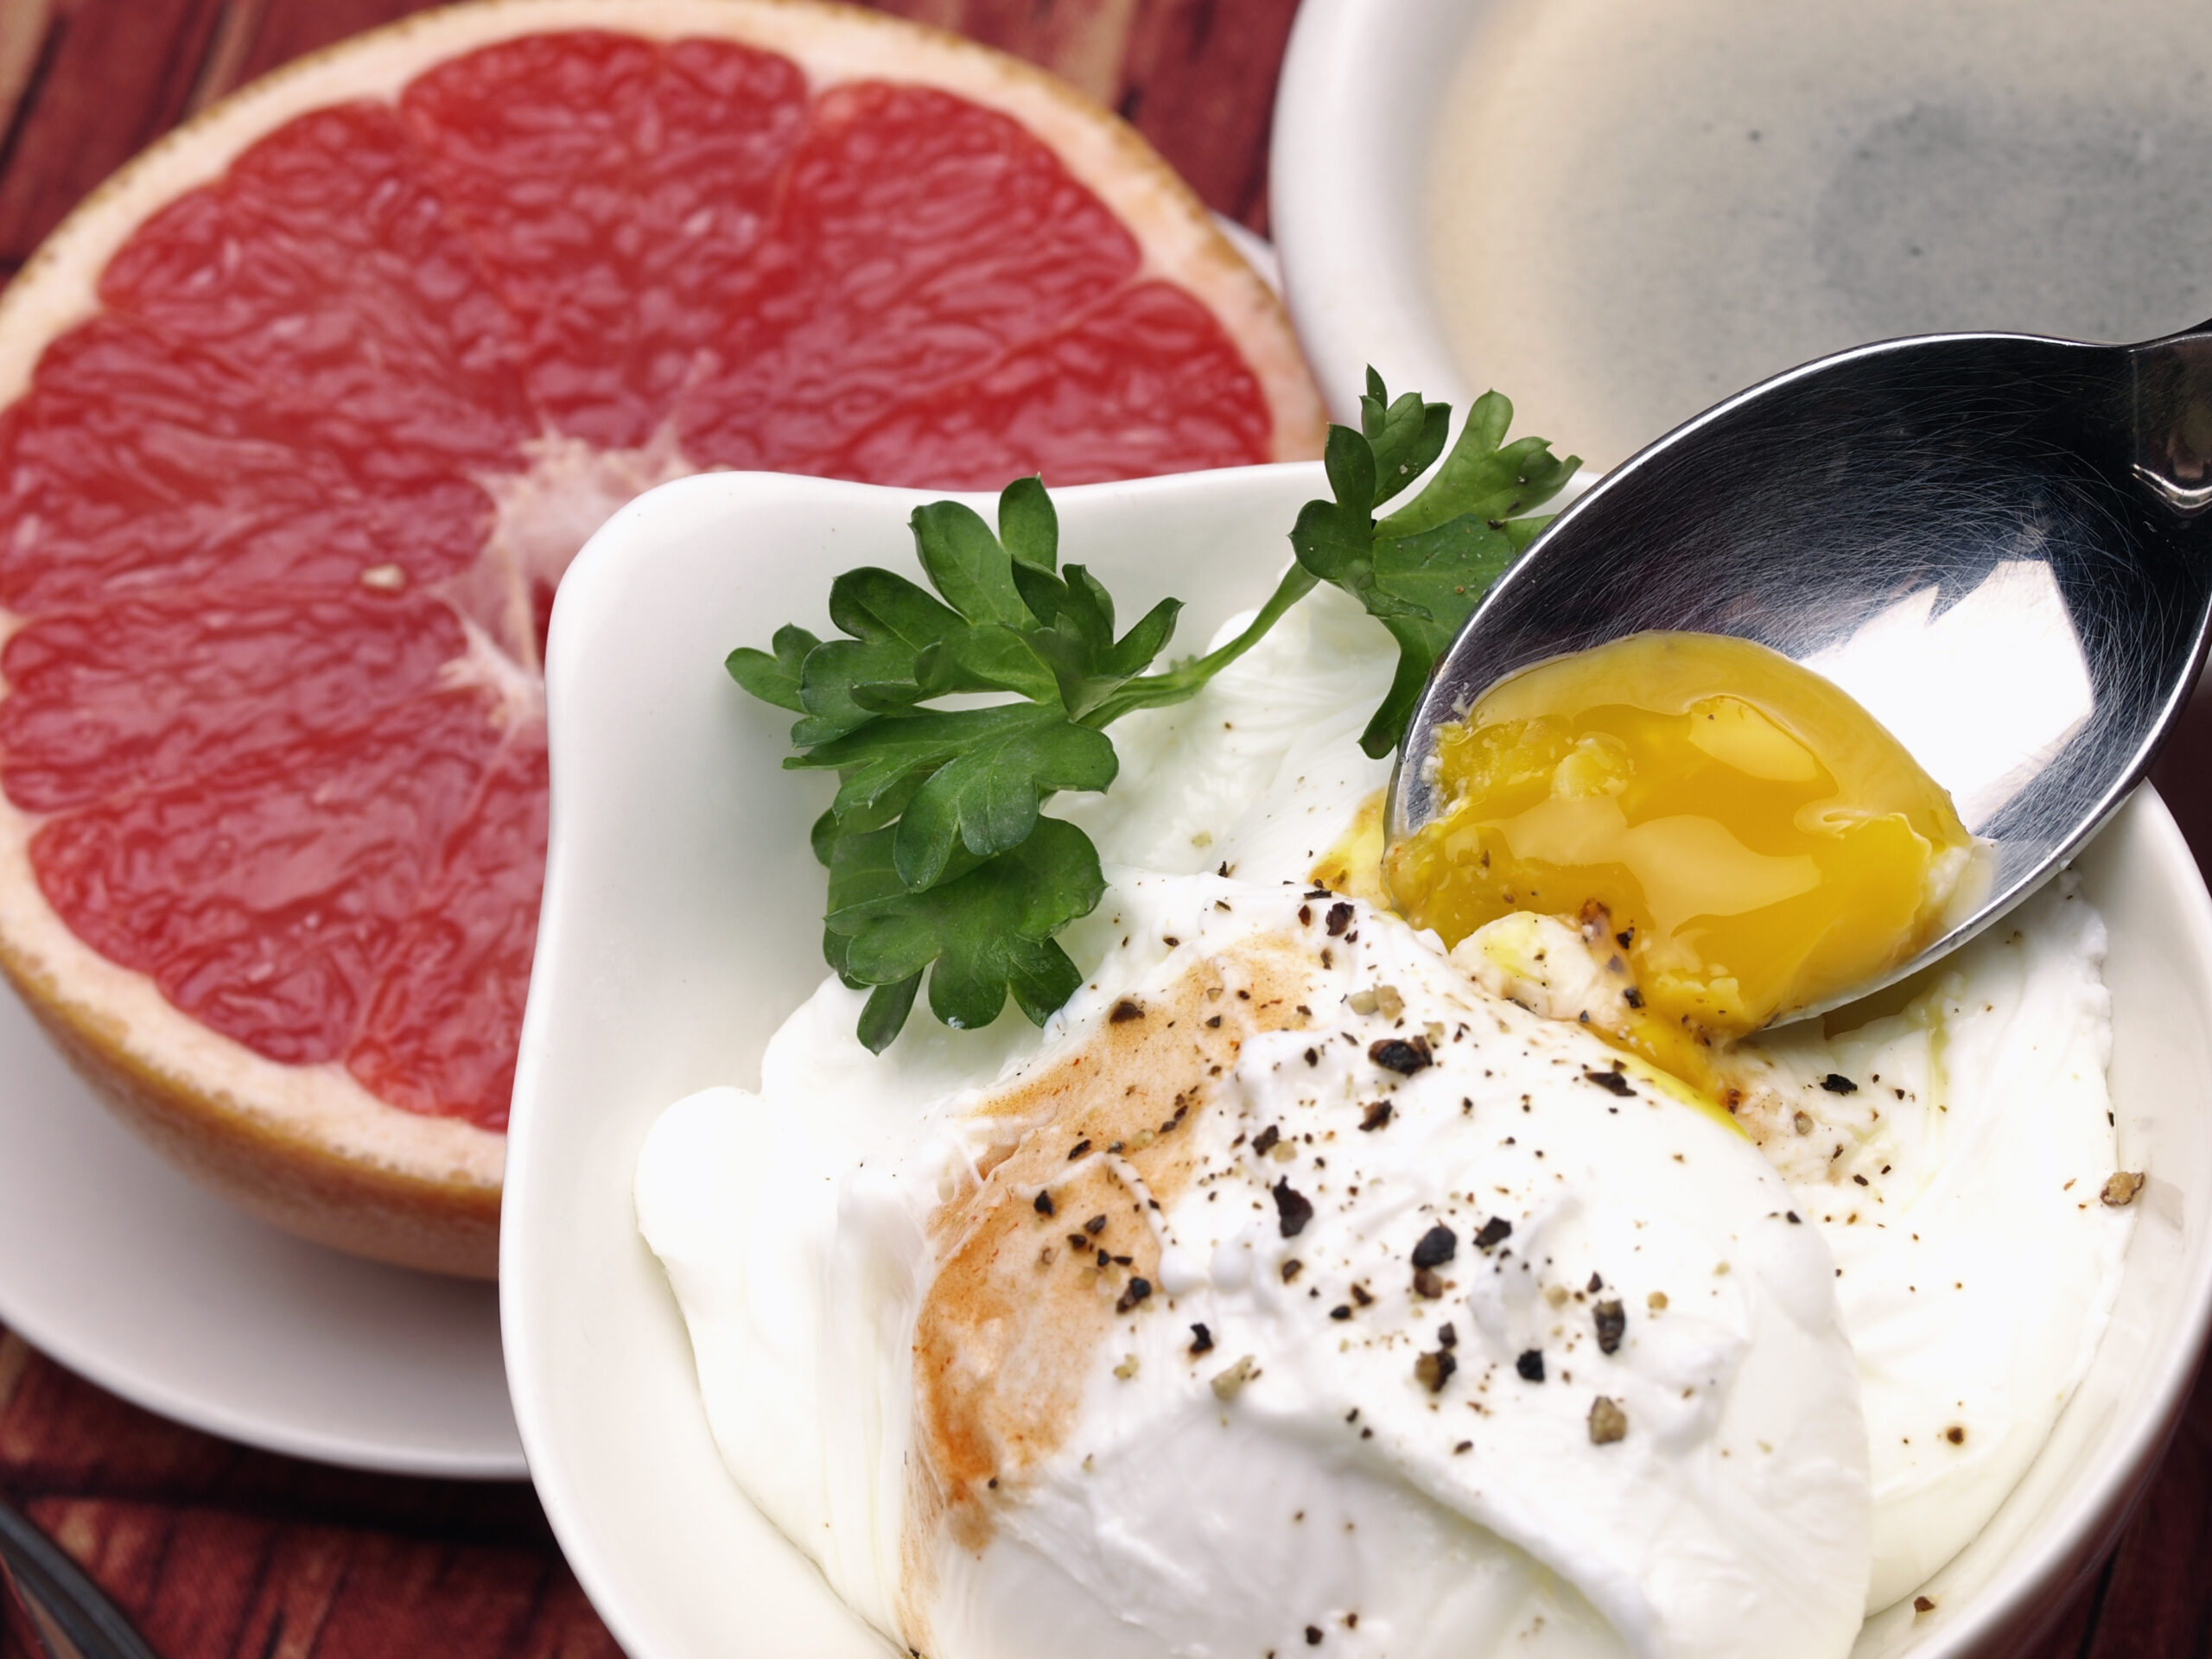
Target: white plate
point(683, 922)
point(122, 1269)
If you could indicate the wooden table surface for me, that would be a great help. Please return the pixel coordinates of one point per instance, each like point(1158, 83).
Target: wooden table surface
point(223, 1553)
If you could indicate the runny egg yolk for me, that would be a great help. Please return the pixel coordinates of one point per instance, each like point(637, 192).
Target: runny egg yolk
point(1752, 839)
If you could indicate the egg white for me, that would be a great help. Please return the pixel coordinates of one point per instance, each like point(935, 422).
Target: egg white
point(1335, 1492)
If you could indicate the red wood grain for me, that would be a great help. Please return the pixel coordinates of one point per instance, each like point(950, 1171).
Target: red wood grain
point(223, 1553)
point(105, 80)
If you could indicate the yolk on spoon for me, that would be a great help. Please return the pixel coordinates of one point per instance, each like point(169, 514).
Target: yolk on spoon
point(1752, 838)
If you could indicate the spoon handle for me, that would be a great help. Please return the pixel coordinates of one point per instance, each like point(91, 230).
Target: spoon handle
point(68, 1613)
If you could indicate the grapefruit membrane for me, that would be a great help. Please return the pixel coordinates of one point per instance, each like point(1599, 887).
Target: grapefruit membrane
point(309, 408)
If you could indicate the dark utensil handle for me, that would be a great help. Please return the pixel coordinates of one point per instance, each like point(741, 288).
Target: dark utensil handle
point(67, 1611)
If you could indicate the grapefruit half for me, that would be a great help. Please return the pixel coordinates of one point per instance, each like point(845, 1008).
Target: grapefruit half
point(307, 409)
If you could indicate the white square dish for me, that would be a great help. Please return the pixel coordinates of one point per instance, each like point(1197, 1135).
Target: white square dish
point(682, 923)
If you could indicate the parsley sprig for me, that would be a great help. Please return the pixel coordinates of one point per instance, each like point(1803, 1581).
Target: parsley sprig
point(941, 862)
point(1422, 571)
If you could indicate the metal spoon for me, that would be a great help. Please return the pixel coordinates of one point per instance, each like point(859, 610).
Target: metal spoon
point(68, 1615)
point(1997, 543)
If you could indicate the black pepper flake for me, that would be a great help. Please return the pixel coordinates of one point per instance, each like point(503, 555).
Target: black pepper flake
point(1612, 1082)
point(1095, 1226)
point(1078, 1241)
point(1077, 1150)
point(1339, 918)
point(1319, 892)
point(1405, 1055)
point(1104, 1260)
point(1135, 1292)
point(1201, 1341)
point(1128, 1009)
point(1359, 1294)
point(1447, 1335)
point(1341, 1311)
point(1921, 1605)
point(1794, 1219)
point(1045, 1206)
point(1633, 997)
point(1625, 937)
point(1429, 1283)
point(1531, 1365)
point(1374, 1116)
point(1264, 1142)
point(1596, 1284)
point(1836, 1084)
point(1613, 1322)
point(1125, 1261)
point(1305, 915)
point(1313, 1056)
point(1292, 1268)
point(1464, 1445)
point(1313, 1635)
point(1495, 1232)
point(1438, 1245)
point(1861, 1180)
point(1433, 1371)
point(1214, 1024)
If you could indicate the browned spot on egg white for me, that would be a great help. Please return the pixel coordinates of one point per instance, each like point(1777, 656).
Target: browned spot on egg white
point(1004, 1342)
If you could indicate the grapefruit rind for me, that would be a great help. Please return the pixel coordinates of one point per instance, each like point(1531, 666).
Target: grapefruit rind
point(307, 1146)
point(303, 1147)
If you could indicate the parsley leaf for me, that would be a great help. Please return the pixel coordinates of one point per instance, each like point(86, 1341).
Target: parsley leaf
point(940, 861)
point(976, 777)
point(983, 932)
point(1422, 571)
point(774, 679)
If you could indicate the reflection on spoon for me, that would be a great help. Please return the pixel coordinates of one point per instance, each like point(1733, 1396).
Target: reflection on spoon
point(1986, 692)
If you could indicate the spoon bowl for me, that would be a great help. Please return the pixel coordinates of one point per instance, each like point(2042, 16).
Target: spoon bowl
point(1997, 543)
